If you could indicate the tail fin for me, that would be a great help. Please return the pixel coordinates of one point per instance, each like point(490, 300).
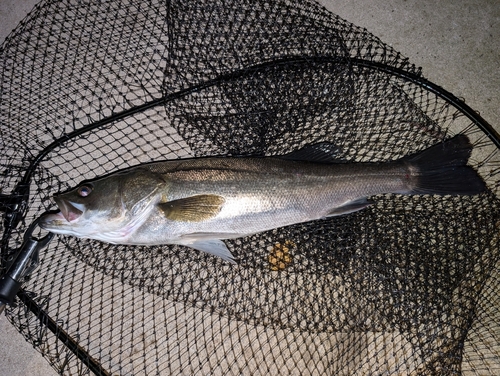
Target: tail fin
point(442, 169)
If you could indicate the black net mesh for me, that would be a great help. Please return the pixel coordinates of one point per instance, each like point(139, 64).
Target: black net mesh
point(408, 286)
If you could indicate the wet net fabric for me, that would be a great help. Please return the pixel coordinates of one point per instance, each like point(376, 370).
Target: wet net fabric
point(408, 286)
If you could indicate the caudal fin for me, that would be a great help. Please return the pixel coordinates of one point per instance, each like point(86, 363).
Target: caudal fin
point(442, 169)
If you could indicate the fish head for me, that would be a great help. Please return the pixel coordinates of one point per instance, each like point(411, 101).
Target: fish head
point(103, 207)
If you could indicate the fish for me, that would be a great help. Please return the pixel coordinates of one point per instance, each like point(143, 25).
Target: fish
point(200, 202)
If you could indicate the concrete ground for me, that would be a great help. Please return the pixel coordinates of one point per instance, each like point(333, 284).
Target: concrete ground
point(457, 43)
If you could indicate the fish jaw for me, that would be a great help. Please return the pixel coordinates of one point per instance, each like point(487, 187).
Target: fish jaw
point(58, 224)
point(52, 219)
point(68, 214)
point(71, 211)
point(70, 220)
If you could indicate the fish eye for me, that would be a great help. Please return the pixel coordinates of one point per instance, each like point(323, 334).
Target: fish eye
point(84, 190)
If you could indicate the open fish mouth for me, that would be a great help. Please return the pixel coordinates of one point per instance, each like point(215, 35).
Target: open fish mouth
point(71, 211)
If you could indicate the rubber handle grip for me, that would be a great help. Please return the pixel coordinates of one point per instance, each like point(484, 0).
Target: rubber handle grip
point(8, 289)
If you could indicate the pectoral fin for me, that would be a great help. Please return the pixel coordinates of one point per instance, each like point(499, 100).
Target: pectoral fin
point(213, 246)
point(192, 209)
point(350, 207)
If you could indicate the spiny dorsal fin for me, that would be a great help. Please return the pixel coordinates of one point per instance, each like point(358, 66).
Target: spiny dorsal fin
point(323, 152)
point(192, 209)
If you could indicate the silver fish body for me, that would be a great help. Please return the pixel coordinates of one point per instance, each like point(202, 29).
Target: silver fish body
point(199, 202)
point(261, 194)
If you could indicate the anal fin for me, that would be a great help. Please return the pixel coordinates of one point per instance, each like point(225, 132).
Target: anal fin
point(215, 247)
point(350, 207)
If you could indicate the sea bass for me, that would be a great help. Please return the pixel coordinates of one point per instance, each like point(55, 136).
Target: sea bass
point(198, 202)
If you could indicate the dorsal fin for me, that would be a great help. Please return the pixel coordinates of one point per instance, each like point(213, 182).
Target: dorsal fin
point(323, 152)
